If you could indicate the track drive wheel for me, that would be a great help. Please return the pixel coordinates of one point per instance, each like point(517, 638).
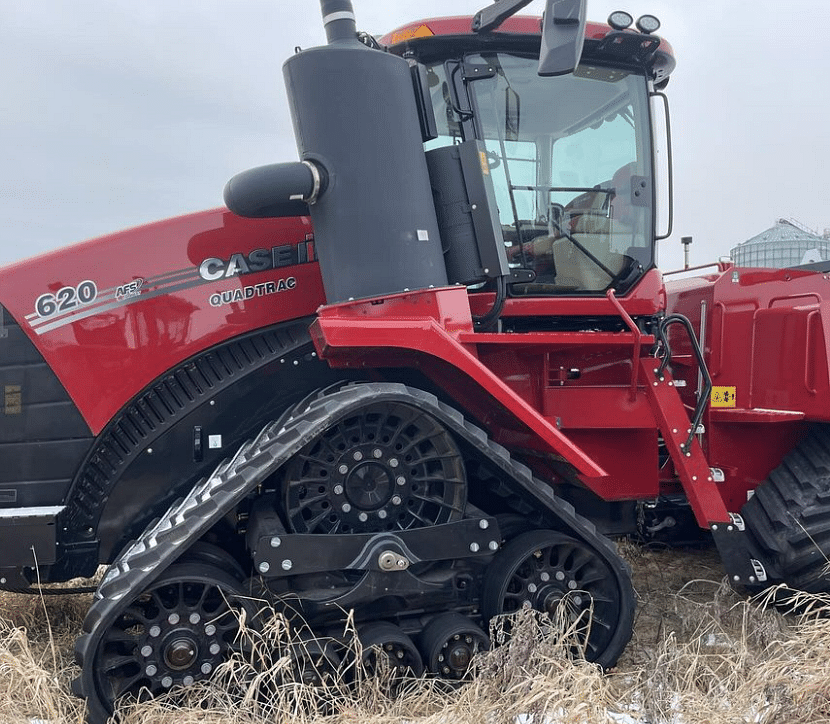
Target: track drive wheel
point(542, 569)
point(449, 642)
point(789, 514)
point(389, 467)
point(173, 634)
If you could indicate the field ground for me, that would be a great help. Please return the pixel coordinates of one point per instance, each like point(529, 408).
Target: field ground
point(700, 653)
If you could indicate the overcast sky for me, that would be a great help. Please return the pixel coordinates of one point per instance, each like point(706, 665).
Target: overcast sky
point(117, 113)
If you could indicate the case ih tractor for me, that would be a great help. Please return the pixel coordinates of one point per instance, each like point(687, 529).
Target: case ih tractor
point(423, 375)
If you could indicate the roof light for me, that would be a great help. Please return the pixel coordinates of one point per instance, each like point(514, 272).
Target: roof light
point(620, 20)
point(648, 24)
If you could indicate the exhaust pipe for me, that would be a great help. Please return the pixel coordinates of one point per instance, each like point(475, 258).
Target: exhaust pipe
point(339, 20)
point(363, 176)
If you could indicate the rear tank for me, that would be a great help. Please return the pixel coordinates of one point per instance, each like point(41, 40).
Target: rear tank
point(765, 335)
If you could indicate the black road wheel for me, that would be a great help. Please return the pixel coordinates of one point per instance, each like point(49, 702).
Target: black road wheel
point(304, 661)
point(314, 661)
point(173, 634)
point(789, 514)
point(387, 649)
point(542, 568)
point(390, 467)
point(449, 642)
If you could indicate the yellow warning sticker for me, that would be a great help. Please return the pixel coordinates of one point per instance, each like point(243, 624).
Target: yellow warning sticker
point(485, 166)
point(723, 397)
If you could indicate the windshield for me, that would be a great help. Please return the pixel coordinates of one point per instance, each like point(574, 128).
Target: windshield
point(570, 161)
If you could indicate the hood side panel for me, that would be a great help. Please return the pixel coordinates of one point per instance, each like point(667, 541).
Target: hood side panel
point(112, 314)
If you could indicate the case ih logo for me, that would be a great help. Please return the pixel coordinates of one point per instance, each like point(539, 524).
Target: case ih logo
point(258, 260)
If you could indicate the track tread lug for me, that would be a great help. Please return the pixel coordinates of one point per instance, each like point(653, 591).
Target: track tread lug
point(789, 514)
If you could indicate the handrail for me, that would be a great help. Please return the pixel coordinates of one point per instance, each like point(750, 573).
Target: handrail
point(721, 265)
point(706, 390)
point(808, 346)
point(638, 337)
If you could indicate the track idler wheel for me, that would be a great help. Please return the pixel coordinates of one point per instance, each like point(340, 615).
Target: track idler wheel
point(174, 634)
point(389, 467)
point(544, 570)
point(448, 644)
point(386, 648)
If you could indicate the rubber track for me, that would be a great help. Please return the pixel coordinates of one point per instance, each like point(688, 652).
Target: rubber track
point(186, 521)
point(789, 514)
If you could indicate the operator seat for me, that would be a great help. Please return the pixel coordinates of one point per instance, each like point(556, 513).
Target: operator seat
point(602, 223)
point(604, 226)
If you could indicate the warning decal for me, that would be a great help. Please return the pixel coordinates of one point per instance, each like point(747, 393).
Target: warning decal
point(723, 397)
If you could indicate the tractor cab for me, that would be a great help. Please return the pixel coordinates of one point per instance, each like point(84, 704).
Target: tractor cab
point(570, 155)
point(523, 164)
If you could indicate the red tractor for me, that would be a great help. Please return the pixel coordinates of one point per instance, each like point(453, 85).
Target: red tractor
point(424, 374)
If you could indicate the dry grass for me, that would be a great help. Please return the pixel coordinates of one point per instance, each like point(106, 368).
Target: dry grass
point(36, 659)
point(700, 653)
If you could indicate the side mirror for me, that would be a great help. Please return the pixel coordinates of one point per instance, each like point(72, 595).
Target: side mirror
point(563, 31)
point(563, 34)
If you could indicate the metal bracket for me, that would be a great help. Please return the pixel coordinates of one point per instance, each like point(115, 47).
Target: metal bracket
point(298, 553)
point(491, 17)
point(742, 567)
point(477, 71)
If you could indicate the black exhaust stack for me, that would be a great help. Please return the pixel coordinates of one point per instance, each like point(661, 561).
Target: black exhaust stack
point(338, 19)
point(363, 172)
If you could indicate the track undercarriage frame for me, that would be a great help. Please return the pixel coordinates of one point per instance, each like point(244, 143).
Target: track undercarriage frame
point(432, 568)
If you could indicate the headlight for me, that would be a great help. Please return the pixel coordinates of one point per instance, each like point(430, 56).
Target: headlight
point(648, 24)
point(620, 20)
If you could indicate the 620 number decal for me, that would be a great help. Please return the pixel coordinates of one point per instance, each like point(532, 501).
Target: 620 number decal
point(66, 298)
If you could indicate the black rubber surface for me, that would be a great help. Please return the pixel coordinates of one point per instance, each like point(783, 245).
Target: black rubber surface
point(789, 514)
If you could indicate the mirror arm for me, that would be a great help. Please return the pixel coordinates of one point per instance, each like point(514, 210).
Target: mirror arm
point(491, 17)
point(563, 31)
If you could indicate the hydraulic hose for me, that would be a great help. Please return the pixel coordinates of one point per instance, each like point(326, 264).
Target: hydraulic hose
point(706, 391)
point(488, 318)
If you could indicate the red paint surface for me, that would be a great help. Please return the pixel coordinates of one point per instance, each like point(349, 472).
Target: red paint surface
point(767, 333)
point(516, 25)
point(106, 358)
point(564, 395)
